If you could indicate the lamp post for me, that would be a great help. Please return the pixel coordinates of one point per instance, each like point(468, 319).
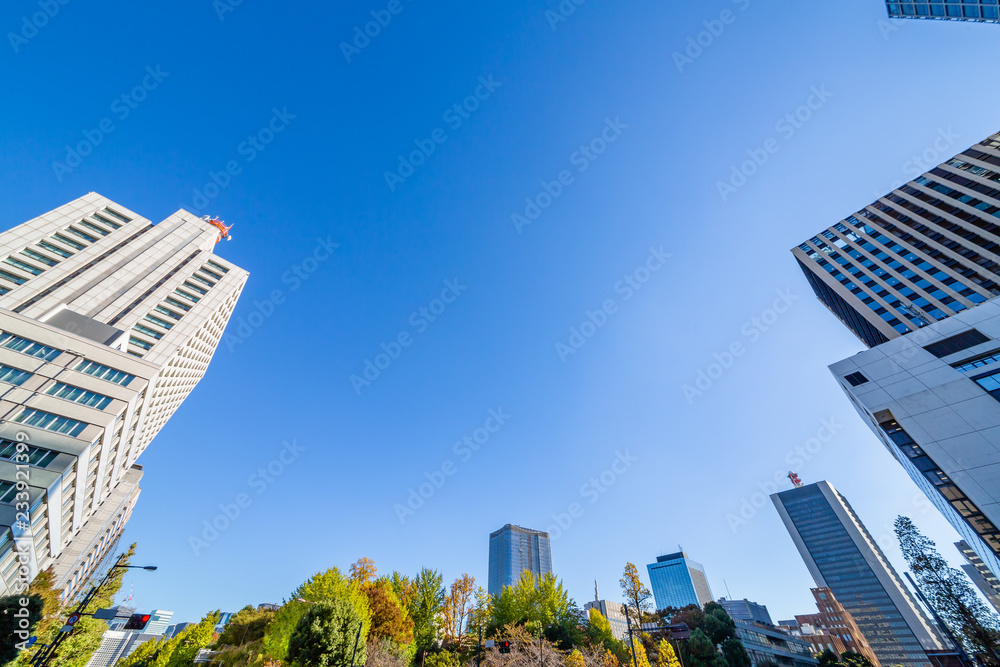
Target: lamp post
point(43, 657)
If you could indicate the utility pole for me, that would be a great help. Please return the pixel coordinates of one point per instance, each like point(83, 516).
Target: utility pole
point(479, 648)
point(357, 638)
point(631, 642)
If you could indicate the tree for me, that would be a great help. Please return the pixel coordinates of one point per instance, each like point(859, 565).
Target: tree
point(15, 617)
point(321, 586)
point(425, 604)
point(828, 658)
point(575, 659)
point(326, 634)
point(666, 656)
point(640, 658)
point(601, 637)
point(635, 592)
point(458, 606)
point(852, 659)
point(389, 619)
point(735, 653)
point(950, 594)
point(699, 651)
point(246, 626)
point(178, 651)
point(363, 571)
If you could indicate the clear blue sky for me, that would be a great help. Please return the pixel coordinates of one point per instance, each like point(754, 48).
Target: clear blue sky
point(520, 288)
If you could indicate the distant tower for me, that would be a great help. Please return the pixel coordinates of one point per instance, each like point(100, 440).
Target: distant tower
point(842, 556)
point(512, 551)
point(678, 582)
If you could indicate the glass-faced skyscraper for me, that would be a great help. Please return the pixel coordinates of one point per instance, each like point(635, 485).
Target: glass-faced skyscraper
point(678, 581)
point(842, 556)
point(514, 550)
point(107, 322)
point(956, 10)
point(918, 255)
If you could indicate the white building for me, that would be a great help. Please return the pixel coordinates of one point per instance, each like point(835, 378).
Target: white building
point(933, 398)
point(107, 322)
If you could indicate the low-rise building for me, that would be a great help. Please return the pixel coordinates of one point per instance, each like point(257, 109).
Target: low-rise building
point(834, 628)
point(767, 644)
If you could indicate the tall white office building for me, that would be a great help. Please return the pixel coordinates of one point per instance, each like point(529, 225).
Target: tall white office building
point(107, 322)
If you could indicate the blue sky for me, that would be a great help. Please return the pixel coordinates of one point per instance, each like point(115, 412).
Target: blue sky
point(342, 263)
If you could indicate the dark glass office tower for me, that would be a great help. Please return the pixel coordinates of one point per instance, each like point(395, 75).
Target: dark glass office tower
point(842, 556)
point(955, 10)
point(512, 551)
point(920, 254)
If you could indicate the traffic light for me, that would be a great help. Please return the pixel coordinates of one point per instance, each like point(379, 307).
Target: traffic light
point(505, 646)
point(136, 622)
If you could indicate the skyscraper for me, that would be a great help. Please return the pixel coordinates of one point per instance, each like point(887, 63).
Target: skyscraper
point(514, 550)
point(981, 575)
point(933, 399)
point(956, 10)
point(842, 556)
point(921, 253)
point(107, 322)
point(678, 581)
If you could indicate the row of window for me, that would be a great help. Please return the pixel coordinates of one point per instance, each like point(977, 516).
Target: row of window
point(76, 237)
point(36, 455)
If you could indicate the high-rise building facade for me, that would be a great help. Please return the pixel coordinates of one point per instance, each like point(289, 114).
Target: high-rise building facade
point(980, 574)
point(107, 322)
point(923, 252)
point(744, 610)
point(514, 550)
point(834, 626)
point(842, 556)
point(678, 581)
point(956, 10)
point(933, 399)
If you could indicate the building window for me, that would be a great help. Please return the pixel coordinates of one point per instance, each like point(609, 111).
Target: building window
point(45, 245)
point(104, 372)
point(856, 379)
point(12, 375)
point(36, 455)
point(953, 344)
point(977, 362)
point(29, 347)
point(50, 422)
point(77, 395)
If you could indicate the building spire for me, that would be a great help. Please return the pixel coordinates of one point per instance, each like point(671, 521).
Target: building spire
point(597, 593)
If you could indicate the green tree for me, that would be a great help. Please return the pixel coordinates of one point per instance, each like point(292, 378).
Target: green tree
point(699, 651)
point(852, 659)
point(425, 605)
point(635, 592)
point(601, 638)
point(246, 626)
point(178, 651)
point(12, 613)
point(828, 658)
point(735, 653)
point(326, 635)
point(321, 586)
point(949, 592)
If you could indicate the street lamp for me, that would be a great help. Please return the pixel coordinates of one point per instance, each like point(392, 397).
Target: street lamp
point(43, 657)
